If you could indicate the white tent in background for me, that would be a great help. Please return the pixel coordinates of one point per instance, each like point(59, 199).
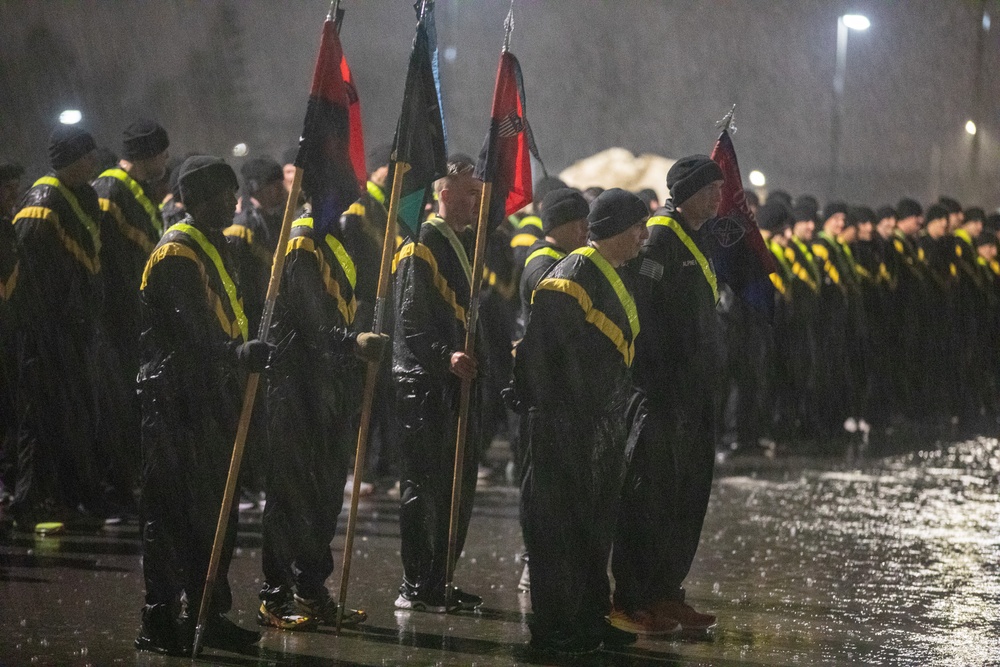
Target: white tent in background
point(618, 168)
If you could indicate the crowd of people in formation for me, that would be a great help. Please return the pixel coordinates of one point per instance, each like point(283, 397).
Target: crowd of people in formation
point(132, 287)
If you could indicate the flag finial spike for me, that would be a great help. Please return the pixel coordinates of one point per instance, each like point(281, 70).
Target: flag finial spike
point(334, 8)
point(508, 27)
point(728, 122)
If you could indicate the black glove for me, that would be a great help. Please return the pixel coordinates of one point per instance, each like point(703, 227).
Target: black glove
point(371, 346)
point(254, 354)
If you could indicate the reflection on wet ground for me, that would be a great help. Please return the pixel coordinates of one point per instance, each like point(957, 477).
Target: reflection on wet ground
point(806, 561)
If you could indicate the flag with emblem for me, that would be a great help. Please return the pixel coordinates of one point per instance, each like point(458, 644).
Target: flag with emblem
point(420, 142)
point(329, 176)
point(505, 160)
point(357, 135)
point(740, 255)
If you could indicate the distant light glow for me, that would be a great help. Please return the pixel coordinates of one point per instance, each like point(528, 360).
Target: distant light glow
point(757, 179)
point(450, 54)
point(970, 127)
point(856, 21)
point(70, 117)
point(239, 150)
point(986, 21)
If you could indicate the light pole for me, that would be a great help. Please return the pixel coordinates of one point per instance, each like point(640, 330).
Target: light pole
point(844, 24)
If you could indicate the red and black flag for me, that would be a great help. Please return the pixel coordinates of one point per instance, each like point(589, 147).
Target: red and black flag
point(505, 160)
point(329, 138)
point(420, 134)
point(741, 257)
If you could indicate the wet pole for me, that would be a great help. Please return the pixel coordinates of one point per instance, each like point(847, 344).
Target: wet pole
point(371, 378)
point(277, 267)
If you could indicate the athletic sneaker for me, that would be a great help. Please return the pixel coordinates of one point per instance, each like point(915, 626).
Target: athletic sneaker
point(431, 602)
point(644, 622)
point(324, 610)
point(284, 614)
point(684, 614)
point(613, 637)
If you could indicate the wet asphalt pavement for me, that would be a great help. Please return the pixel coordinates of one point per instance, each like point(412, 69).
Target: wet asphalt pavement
point(806, 561)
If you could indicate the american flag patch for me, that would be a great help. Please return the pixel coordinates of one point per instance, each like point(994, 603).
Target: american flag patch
point(510, 126)
point(651, 269)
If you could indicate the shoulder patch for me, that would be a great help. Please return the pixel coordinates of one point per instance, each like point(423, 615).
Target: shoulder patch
point(651, 269)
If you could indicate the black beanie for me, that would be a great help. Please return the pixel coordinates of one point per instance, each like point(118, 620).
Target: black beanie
point(613, 212)
point(288, 157)
point(833, 208)
point(906, 208)
point(858, 215)
point(378, 156)
point(562, 206)
point(544, 186)
point(950, 204)
point(144, 139)
point(774, 216)
point(885, 212)
point(935, 212)
point(67, 144)
point(260, 171)
point(203, 177)
point(690, 174)
point(803, 213)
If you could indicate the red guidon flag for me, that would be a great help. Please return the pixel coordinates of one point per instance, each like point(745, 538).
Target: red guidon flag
point(741, 257)
point(357, 147)
point(505, 160)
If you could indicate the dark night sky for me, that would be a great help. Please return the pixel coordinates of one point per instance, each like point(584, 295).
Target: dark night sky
point(649, 75)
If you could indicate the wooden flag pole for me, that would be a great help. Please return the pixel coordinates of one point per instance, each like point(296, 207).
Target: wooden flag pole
point(277, 268)
point(371, 379)
point(466, 392)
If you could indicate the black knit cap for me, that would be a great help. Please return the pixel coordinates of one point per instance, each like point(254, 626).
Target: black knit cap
point(992, 223)
point(986, 238)
point(833, 208)
point(562, 206)
point(774, 216)
point(144, 139)
point(975, 214)
point(803, 213)
point(614, 211)
point(378, 156)
point(67, 144)
point(885, 212)
point(10, 171)
point(950, 204)
point(690, 174)
point(203, 177)
point(908, 207)
point(544, 186)
point(780, 195)
point(858, 215)
point(935, 212)
point(258, 172)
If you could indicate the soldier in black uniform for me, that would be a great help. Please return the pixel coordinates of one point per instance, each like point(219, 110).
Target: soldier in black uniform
point(939, 363)
point(907, 265)
point(433, 278)
point(678, 364)
point(802, 343)
point(194, 345)
point(10, 192)
point(572, 373)
point(314, 389)
point(59, 301)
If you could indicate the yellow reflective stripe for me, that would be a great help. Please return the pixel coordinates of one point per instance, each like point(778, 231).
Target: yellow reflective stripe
point(91, 263)
point(346, 263)
point(456, 245)
point(626, 300)
point(88, 222)
point(699, 256)
point(377, 194)
point(7, 286)
point(357, 208)
point(523, 240)
point(227, 281)
point(530, 221)
point(590, 314)
point(964, 235)
point(140, 196)
point(423, 252)
point(239, 232)
point(300, 243)
point(134, 235)
point(545, 252)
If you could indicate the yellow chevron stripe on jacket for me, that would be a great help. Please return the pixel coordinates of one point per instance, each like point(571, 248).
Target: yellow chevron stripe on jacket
point(590, 313)
point(414, 249)
point(348, 309)
point(128, 231)
point(91, 263)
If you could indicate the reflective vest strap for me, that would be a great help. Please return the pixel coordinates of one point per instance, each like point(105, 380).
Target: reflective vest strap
point(86, 220)
point(523, 240)
point(344, 259)
point(227, 282)
point(456, 245)
point(699, 256)
point(423, 252)
point(530, 221)
point(239, 232)
point(545, 252)
point(376, 193)
point(140, 196)
point(590, 314)
point(626, 300)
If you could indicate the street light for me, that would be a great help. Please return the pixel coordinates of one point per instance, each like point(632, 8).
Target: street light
point(970, 128)
point(70, 117)
point(845, 23)
point(757, 179)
